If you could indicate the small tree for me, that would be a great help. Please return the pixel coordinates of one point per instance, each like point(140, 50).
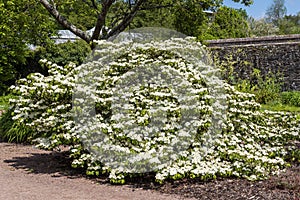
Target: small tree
point(290, 24)
point(114, 16)
point(276, 12)
point(227, 23)
point(21, 23)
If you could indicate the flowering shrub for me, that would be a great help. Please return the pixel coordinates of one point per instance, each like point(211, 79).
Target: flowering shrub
point(44, 104)
point(251, 143)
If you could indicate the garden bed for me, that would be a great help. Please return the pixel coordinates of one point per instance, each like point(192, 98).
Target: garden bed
point(28, 161)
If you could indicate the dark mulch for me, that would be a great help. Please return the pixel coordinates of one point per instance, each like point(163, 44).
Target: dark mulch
point(282, 187)
point(285, 186)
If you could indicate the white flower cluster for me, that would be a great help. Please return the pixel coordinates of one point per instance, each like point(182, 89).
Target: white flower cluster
point(150, 102)
point(44, 103)
point(250, 144)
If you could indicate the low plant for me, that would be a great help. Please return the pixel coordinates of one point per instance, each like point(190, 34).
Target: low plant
point(266, 87)
point(4, 101)
point(14, 131)
point(251, 143)
point(291, 98)
point(277, 106)
point(10, 130)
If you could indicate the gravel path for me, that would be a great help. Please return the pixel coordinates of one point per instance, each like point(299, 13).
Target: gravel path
point(28, 173)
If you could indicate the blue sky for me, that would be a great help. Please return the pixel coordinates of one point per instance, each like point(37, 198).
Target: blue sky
point(259, 7)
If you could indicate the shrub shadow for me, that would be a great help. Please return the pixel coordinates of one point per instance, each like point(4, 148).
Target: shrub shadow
point(57, 164)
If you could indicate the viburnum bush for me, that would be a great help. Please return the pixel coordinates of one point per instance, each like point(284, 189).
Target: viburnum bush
point(78, 106)
point(44, 104)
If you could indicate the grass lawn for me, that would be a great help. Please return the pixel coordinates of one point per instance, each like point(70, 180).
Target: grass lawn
point(280, 107)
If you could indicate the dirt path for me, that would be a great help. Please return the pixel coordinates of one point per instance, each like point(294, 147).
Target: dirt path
point(28, 173)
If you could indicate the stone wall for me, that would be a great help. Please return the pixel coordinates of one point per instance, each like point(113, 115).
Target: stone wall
point(279, 54)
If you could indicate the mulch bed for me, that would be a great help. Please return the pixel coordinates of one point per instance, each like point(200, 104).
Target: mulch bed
point(285, 186)
point(282, 187)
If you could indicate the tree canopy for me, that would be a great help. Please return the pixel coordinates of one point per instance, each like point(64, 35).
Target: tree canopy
point(25, 22)
point(290, 24)
point(114, 16)
point(21, 23)
point(276, 12)
point(227, 23)
point(261, 27)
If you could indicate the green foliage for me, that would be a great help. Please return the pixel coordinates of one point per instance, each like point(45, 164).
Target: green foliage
point(12, 50)
point(226, 23)
point(246, 2)
point(260, 27)
point(14, 131)
point(282, 25)
point(155, 16)
point(4, 101)
point(16, 31)
point(80, 13)
point(291, 98)
point(64, 53)
point(290, 24)
point(223, 22)
point(189, 17)
point(294, 156)
point(277, 106)
point(266, 87)
point(112, 17)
